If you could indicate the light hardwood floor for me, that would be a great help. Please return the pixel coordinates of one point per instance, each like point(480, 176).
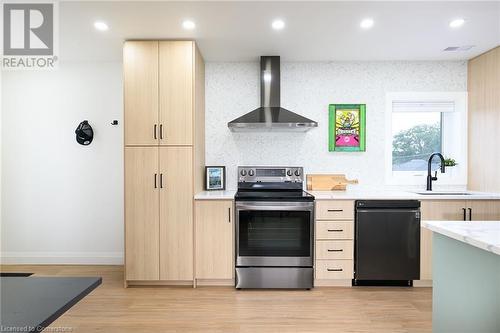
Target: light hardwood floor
point(111, 308)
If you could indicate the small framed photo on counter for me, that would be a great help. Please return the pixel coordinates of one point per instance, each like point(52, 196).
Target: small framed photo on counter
point(215, 178)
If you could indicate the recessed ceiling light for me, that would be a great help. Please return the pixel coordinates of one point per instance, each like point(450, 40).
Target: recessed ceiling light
point(278, 24)
point(101, 26)
point(188, 25)
point(367, 23)
point(457, 23)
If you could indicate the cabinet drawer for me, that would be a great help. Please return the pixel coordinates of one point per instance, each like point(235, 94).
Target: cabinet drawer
point(334, 249)
point(334, 230)
point(335, 210)
point(334, 269)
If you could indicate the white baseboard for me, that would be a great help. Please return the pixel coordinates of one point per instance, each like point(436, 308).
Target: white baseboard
point(62, 258)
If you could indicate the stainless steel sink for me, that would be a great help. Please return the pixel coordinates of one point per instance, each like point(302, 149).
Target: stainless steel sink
point(443, 193)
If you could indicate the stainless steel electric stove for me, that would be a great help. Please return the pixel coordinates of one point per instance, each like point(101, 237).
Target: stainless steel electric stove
point(274, 229)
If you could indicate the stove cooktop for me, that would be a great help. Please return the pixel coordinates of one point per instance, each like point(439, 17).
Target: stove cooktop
point(261, 195)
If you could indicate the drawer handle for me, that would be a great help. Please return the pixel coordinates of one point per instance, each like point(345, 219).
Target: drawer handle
point(335, 250)
point(335, 230)
point(335, 210)
point(334, 269)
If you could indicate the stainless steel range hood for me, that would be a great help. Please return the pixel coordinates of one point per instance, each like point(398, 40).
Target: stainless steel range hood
point(271, 116)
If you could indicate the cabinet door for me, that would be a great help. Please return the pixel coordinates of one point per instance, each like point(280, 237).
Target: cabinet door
point(176, 92)
point(484, 210)
point(436, 210)
point(140, 67)
point(176, 213)
point(141, 213)
point(214, 239)
point(446, 210)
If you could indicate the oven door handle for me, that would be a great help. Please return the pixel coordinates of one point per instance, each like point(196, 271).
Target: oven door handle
point(301, 206)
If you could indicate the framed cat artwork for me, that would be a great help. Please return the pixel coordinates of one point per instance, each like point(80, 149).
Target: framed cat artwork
point(347, 127)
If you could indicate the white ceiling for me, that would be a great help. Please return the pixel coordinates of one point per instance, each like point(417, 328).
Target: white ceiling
point(315, 31)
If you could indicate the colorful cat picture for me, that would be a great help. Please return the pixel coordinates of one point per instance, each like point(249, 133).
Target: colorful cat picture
point(347, 126)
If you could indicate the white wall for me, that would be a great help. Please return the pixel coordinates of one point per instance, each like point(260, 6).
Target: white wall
point(308, 88)
point(62, 202)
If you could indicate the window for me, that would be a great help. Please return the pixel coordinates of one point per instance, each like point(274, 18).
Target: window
point(415, 136)
point(420, 124)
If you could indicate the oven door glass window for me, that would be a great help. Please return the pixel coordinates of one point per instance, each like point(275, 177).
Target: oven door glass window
point(274, 233)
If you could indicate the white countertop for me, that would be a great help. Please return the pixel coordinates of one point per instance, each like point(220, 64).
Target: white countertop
point(482, 234)
point(215, 195)
point(355, 194)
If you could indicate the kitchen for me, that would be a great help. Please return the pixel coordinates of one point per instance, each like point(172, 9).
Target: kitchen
point(167, 206)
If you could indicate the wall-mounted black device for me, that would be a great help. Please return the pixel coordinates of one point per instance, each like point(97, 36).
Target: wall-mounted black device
point(84, 133)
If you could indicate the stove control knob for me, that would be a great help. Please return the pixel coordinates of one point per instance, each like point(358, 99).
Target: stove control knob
point(297, 172)
point(289, 173)
point(251, 173)
point(243, 172)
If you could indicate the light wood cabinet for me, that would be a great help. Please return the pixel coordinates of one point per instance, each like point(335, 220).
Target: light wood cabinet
point(484, 210)
point(451, 210)
point(437, 210)
point(159, 92)
point(164, 158)
point(176, 97)
point(334, 243)
point(334, 230)
point(483, 85)
point(140, 85)
point(446, 210)
point(334, 210)
point(141, 213)
point(334, 269)
point(176, 213)
point(334, 249)
point(214, 239)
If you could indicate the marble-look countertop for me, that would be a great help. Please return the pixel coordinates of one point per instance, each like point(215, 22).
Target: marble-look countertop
point(355, 194)
point(215, 195)
point(482, 234)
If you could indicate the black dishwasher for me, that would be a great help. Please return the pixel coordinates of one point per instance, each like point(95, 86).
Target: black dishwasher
point(387, 241)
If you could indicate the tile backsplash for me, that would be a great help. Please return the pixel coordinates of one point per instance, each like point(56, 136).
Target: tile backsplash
point(232, 89)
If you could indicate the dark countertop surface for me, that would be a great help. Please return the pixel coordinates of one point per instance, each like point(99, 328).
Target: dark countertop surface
point(30, 304)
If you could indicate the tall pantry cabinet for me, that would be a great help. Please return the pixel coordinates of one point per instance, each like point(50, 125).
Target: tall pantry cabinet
point(164, 158)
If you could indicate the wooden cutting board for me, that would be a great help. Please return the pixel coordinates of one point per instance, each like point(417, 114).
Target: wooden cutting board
point(328, 182)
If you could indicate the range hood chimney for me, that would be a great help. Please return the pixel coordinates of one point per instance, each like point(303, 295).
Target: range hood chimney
point(270, 116)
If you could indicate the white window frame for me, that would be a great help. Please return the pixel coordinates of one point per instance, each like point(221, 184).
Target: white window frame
point(455, 176)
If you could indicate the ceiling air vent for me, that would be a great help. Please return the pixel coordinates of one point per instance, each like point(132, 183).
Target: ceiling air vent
point(459, 48)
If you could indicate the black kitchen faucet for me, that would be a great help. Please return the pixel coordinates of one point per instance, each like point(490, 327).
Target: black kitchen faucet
point(429, 171)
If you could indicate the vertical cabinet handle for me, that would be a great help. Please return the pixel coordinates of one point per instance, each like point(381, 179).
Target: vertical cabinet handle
point(161, 131)
point(229, 214)
point(154, 131)
point(465, 214)
point(470, 214)
point(161, 180)
point(155, 181)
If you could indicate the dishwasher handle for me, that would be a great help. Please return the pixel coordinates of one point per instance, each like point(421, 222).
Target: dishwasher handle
point(387, 210)
point(387, 204)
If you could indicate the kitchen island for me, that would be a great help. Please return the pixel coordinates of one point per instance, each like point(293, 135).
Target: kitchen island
point(466, 274)
point(30, 304)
